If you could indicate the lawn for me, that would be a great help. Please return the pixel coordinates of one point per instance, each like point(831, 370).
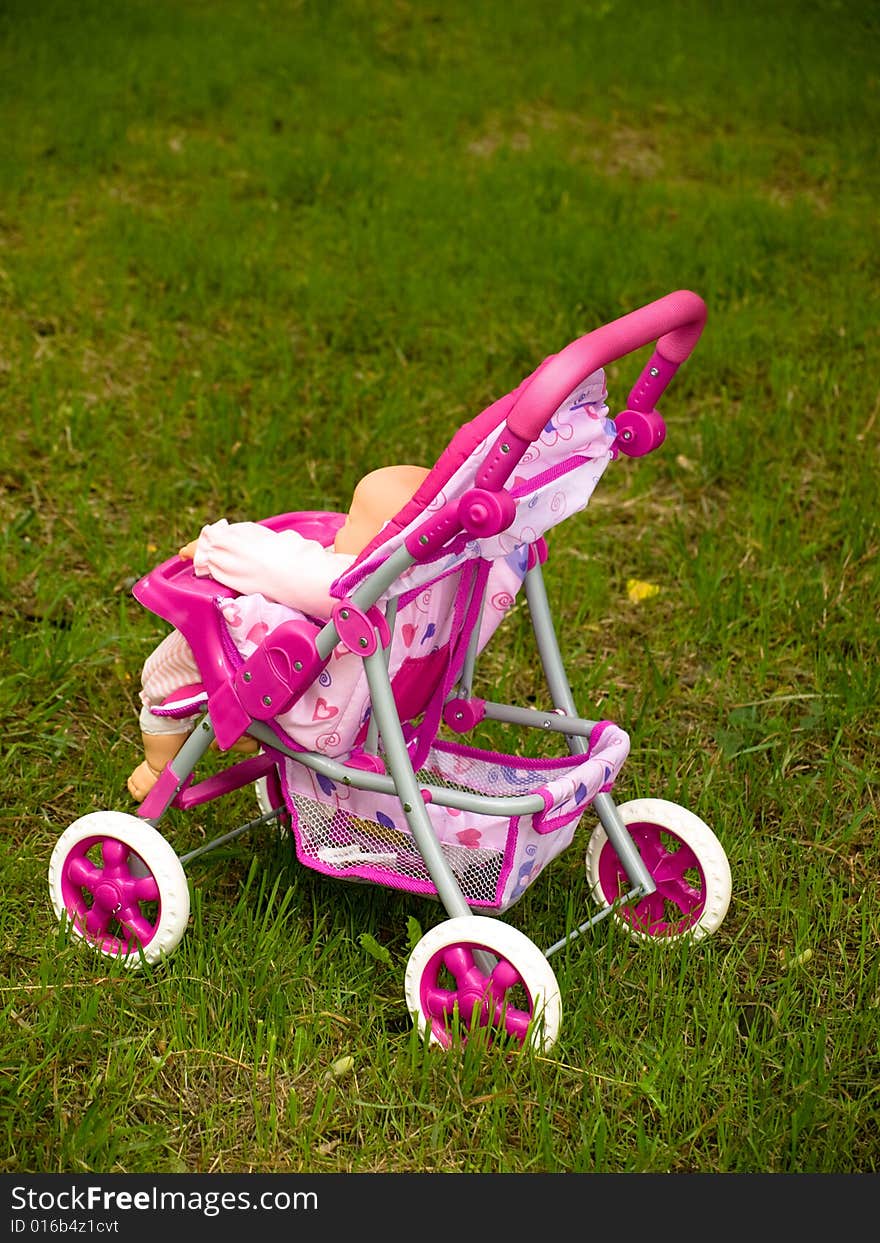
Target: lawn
point(248, 251)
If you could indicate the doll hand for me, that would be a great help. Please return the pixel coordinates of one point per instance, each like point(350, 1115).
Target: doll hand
point(188, 551)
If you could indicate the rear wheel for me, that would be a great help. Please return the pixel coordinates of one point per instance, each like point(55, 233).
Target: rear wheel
point(686, 861)
point(270, 798)
point(473, 974)
point(121, 887)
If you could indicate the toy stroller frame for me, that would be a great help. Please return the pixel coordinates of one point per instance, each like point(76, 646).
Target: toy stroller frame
point(654, 866)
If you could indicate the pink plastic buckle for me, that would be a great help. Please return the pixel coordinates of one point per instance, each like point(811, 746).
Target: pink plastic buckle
point(229, 718)
point(268, 682)
point(285, 663)
point(639, 432)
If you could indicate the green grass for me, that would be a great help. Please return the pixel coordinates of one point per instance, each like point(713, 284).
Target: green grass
point(249, 251)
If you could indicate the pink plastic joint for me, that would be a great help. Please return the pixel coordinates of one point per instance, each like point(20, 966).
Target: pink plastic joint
point(651, 384)
point(463, 715)
point(360, 632)
point(430, 536)
point(483, 513)
point(537, 553)
point(365, 761)
point(639, 432)
point(501, 459)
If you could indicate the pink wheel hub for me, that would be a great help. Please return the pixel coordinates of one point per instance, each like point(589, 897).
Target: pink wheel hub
point(677, 873)
point(452, 981)
point(106, 900)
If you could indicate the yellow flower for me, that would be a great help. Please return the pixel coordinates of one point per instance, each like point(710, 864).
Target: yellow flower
point(638, 591)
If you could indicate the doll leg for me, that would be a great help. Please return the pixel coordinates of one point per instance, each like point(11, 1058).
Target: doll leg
point(160, 747)
point(168, 667)
point(158, 750)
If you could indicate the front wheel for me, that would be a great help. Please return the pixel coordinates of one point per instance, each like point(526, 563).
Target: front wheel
point(121, 887)
point(472, 973)
point(686, 861)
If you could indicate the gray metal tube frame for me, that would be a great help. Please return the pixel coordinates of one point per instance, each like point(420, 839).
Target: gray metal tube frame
point(560, 690)
point(460, 800)
point(403, 783)
point(555, 721)
point(371, 746)
point(407, 788)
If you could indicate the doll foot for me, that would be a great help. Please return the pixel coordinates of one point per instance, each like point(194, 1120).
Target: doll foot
point(245, 745)
point(141, 781)
point(159, 750)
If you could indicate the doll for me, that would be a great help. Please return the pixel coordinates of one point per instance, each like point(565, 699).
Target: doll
point(282, 566)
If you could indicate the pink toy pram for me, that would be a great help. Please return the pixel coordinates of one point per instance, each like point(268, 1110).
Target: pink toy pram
point(391, 799)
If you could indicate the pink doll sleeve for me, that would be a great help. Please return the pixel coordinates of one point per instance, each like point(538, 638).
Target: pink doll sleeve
point(280, 565)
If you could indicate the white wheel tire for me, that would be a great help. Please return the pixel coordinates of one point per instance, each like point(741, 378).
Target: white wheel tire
point(265, 805)
point(504, 942)
point(696, 834)
point(155, 855)
point(261, 789)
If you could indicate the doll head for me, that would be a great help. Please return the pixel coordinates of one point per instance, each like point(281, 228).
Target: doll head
point(376, 499)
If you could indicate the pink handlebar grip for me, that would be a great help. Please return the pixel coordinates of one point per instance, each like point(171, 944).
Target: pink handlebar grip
point(674, 322)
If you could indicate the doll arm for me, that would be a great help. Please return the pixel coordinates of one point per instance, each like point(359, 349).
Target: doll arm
point(281, 565)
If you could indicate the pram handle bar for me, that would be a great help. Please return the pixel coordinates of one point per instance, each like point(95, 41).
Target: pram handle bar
point(675, 322)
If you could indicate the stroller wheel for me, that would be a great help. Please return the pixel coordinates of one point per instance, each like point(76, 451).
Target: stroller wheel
point(450, 986)
point(270, 797)
point(121, 887)
point(686, 861)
